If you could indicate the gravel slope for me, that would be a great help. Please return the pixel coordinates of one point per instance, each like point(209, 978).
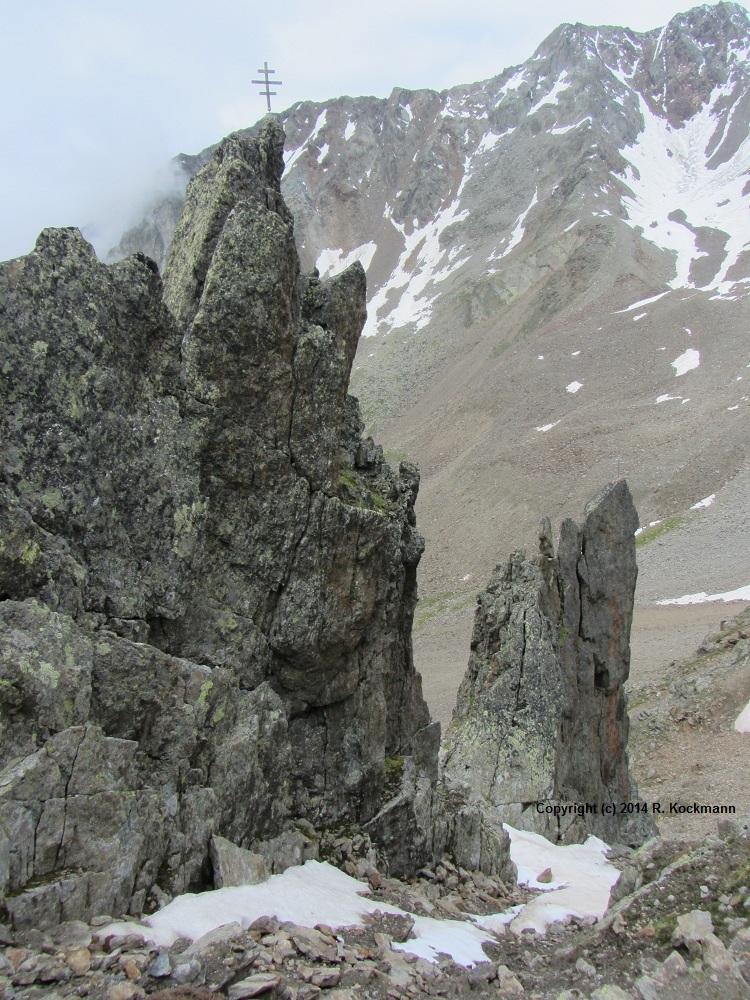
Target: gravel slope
point(710, 552)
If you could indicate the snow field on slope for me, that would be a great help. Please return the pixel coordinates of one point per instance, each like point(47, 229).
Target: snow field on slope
point(581, 879)
point(563, 129)
point(407, 291)
point(642, 302)
point(517, 233)
point(740, 594)
point(668, 173)
point(414, 305)
point(318, 893)
point(705, 502)
point(291, 156)
point(742, 722)
point(331, 261)
point(561, 84)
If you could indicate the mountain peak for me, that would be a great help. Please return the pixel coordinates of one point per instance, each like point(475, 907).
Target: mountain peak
point(532, 209)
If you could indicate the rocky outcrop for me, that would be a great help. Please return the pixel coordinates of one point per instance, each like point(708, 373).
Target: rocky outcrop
point(539, 733)
point(207, 575)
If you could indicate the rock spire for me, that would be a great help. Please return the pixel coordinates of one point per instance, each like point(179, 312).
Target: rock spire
point(540, 730)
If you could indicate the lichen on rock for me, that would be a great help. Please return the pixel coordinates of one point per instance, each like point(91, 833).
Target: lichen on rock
point(200, 554)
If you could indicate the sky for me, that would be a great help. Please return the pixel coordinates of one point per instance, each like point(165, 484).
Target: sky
point(98, 95)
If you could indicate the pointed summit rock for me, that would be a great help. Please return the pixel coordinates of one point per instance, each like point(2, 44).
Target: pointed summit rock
point(207, 575)
point(539, 733)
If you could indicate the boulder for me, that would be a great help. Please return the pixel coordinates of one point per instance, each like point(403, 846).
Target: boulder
point(234, 865)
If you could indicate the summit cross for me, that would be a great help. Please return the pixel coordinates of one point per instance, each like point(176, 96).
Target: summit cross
point(267, 93)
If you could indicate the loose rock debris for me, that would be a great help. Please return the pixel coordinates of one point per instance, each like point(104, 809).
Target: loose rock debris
point(678, 926)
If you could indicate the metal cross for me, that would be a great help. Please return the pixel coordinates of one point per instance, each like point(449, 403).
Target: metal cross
point(618, 460)
point(268, 94)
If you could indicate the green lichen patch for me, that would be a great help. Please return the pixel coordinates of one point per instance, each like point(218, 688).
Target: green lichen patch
point(187, 521)
point(446, 603)
point(394, 771)
point(53, 499)
point(30, 553)
point(205, 692)
point(655, 531)
point(358, 490)
point(39, 350)
point(227, 621)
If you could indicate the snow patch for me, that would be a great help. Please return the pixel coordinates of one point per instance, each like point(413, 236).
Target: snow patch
point(569, 128)
point(560, 85)
point(309, 894)
point(742, 722)
point(547, 427)
point(705, 502)
point(463, 941)
point(582, 879)
point(665, 397)
point(349, 131)
point(413, 305)
point(651, 524)
point(517, 80)
point(330, 262)
point(291, 157)
point(573, 387)
point(669, 172)
point(317, 893)
point(686, 362)
point(490, 140)
point(518, 230)
point(643, 302)
point(741, 594)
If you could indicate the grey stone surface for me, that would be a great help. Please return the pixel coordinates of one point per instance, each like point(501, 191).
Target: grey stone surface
point(692, 929)
point(210, 951)
point(234, 865)
point(292, 847)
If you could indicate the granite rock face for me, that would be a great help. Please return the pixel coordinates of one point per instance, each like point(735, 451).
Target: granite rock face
point(207, 575)
point(540, 728)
